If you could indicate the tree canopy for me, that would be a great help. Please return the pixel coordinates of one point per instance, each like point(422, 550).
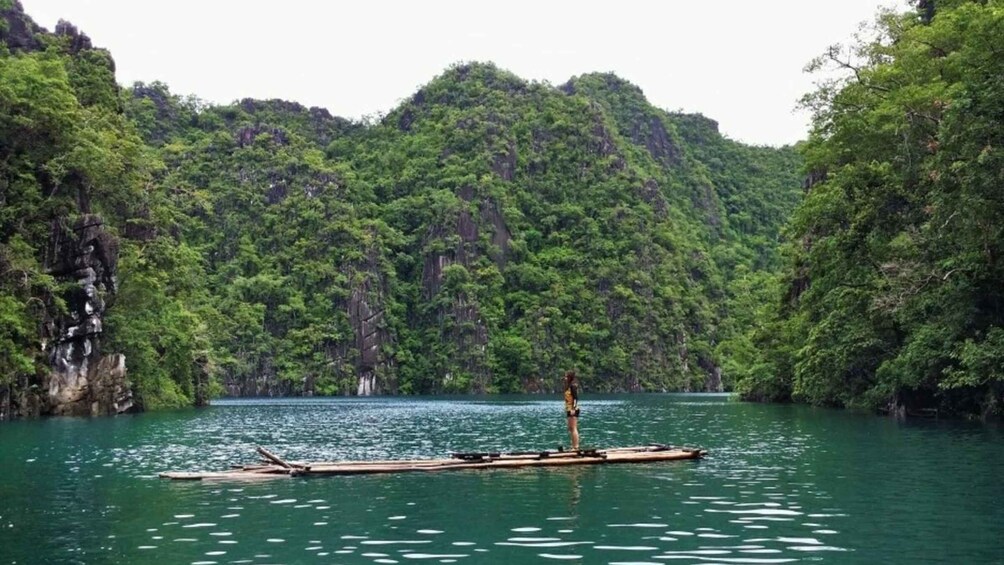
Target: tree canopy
point(891, 294)
point(484, 236)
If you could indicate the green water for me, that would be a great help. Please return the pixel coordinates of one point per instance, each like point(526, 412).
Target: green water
point(781, 484)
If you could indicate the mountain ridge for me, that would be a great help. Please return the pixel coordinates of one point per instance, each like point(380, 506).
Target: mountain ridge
point(483, 236)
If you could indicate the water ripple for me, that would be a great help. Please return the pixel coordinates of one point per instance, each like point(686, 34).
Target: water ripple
point(778, 487)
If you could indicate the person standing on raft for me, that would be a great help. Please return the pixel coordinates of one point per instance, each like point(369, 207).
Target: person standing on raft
point(572, 407)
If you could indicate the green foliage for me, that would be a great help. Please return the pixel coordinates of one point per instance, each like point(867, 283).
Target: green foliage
point(503, 230)
point(66, 150)
point(484, 236)
point(158, 320)
point(490, 233)
point(40, 136)
point(92, 74)
point(893, 298)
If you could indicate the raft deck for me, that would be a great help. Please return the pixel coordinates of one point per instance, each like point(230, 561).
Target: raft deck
point(272, 466)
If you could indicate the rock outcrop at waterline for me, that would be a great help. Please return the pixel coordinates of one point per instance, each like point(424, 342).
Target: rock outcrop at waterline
point(57, 261)
point(79, 380)
point(82, 380)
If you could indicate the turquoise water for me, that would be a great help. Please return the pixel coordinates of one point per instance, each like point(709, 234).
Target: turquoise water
point(781, 484)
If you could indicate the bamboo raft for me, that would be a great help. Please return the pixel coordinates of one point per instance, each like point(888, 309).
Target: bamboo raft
point(272, 466)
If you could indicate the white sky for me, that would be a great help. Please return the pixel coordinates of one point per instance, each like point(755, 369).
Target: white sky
point(736, 61)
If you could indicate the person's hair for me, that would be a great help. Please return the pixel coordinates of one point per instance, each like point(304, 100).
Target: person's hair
point(569, 377)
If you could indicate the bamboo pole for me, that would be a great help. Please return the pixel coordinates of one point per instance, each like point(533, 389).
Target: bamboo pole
point(273, 457)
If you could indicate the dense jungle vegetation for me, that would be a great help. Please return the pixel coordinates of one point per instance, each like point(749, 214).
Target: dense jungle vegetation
point(490, 232)
point(495, 232)
point(891, 293)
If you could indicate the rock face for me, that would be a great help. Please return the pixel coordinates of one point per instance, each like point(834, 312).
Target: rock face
point(77, 41)
point(82, 381)
point(366, 314)
point(19, 32)
point(460, 317)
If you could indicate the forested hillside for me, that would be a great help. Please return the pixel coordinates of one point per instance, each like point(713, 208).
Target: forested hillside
point(484, 236)
point(891, 296)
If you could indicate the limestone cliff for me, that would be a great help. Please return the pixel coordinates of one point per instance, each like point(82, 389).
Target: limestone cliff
point(67, 272)
point(83, 381)
point(458, 314)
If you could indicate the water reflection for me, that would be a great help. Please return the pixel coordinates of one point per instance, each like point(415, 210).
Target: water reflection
point(782, 484)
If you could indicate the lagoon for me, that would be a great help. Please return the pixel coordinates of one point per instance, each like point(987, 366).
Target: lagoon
point(781, 484)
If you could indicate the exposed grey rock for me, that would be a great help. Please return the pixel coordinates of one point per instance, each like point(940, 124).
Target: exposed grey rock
point(366, 308)
point(110, 392)
point(501, 237)
point(713, 379)
point(82, 380)
point(461, 321)
point(367, 384)
point(504, 161)
point(246, 136)
point(77, 39)
point(653, 135)
point(651, 193)
point(815, 176)
point(18, 31)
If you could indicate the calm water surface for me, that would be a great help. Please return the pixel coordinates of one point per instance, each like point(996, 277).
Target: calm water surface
point(781, 484)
